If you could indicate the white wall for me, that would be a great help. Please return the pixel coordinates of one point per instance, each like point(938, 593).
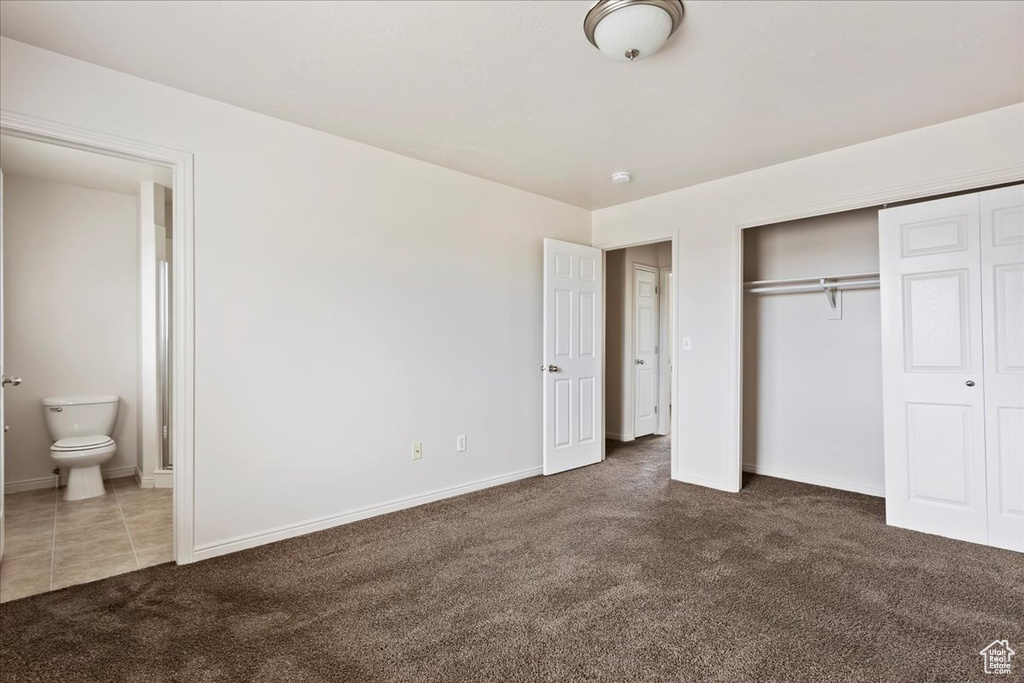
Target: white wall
point(619, 370)
point(664, 254)
point(349, 302)
point(71, 313)
point(974, 151)
point(812, 394)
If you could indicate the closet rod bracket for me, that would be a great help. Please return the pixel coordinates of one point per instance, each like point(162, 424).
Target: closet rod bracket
point(830, 292)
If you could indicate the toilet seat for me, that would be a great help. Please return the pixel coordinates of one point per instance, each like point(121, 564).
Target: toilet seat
point(83, 456)
point(81, 443)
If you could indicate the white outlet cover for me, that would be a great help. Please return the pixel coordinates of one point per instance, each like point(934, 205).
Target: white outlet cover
point(460, 442)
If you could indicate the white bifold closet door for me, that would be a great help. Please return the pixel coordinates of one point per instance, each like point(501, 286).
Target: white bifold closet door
point(952, 286)
point(1002, 306)
point(930, 259)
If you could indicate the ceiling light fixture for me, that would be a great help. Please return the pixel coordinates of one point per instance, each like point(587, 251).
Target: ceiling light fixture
point(628, 30)
point(621, 177)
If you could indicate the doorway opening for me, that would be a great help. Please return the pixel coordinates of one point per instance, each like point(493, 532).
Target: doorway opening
point(639, 340)
point(86, 478)
point(593, 346)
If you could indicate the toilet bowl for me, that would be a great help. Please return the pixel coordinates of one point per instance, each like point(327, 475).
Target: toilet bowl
point(81, 427)
point(83, 456)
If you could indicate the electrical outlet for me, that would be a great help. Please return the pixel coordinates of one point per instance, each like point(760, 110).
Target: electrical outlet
point(460, 442)
point(687, 344)
point(417, 451)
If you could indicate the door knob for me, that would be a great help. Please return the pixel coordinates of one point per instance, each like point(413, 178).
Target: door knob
point(639, 361)
point(13, 381)
point(970, 382)
point(552, 368)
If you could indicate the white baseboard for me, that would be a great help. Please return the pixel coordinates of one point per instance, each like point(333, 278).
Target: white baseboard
point(28, 485)
point(281, 533)
point(817, 481)
point(163, 479)
point(115, 473)
point(47, 482)
point(619, 437)
point(143, 482)
point(701, 481)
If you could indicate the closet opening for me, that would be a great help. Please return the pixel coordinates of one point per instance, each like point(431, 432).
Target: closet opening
point(638, 351)
point(812, 363)
point(883, 352)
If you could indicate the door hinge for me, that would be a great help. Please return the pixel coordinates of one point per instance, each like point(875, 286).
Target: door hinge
point(655, 349)
point(656, 290)
point(655, 410)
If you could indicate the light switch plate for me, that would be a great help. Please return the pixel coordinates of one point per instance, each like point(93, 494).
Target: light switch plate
point(417, 451)
point(687, 344)
point(460, 442)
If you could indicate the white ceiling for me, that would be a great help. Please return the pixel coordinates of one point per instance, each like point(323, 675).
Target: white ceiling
point(512, 91)
point(20, 157)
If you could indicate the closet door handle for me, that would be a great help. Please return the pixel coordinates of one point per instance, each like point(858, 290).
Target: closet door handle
point(970, 382)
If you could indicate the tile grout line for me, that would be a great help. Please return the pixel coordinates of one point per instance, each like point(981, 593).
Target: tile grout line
point(126, 529)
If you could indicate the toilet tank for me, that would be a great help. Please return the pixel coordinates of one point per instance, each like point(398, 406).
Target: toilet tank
point(87, 415)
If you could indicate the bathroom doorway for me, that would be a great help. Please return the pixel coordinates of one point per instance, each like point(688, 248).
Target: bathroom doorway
point(88, 279)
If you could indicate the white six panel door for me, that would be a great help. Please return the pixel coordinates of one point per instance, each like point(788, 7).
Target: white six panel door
point(1002, 274)
point(573, 356)
point(645, 349)
point(932, 368)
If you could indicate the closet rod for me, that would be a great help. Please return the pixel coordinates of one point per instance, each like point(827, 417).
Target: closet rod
point(862, 284)
point(813, 284)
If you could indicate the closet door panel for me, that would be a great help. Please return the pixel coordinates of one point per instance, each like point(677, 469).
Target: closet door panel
point(1002, 265)
point(936, 327)
point(932, 367)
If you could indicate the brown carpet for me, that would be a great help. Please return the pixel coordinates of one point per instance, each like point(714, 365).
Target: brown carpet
point(609, 573)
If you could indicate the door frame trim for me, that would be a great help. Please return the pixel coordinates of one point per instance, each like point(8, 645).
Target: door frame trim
point(664, 342)
point(650, 238)
point(183, 303)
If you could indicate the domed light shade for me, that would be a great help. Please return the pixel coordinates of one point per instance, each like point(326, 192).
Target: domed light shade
point(628, 30)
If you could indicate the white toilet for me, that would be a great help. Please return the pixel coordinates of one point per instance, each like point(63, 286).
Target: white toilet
point(81, 427)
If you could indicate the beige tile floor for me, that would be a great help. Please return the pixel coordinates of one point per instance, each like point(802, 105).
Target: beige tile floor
point(50, 543)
